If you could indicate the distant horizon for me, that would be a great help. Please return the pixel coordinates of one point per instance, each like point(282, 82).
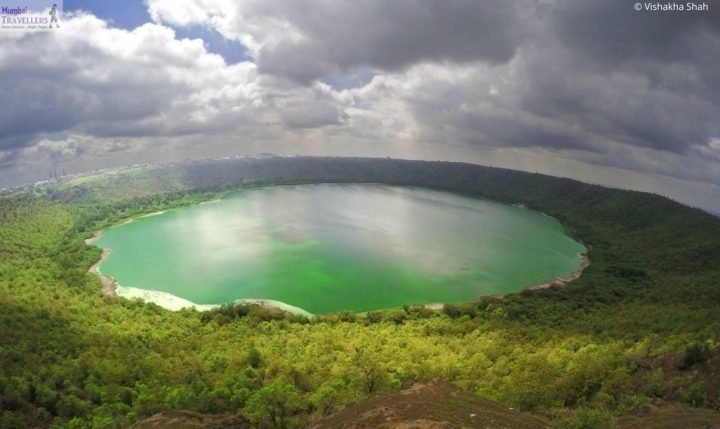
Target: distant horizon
point(268, 155)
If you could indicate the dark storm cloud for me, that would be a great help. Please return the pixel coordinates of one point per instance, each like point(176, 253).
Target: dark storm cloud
point(388, 35)
point(619, 105)
point(464, 110)
point(611, 34)
point(54, 86)
point(590, 73)
point(639, 77)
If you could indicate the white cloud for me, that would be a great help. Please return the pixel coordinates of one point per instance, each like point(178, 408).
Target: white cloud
point(108, 82)
point(309, 39)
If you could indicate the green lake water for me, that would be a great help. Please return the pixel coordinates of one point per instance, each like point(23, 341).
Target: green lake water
point(326, 248)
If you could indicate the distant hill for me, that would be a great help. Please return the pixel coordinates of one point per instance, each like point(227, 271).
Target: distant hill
point(648, 218)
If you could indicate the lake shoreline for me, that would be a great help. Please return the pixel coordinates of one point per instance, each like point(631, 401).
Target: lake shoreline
point(561, 281)
point(134, 218)
point(111, 287)
point(172, 302)
point(108, 285)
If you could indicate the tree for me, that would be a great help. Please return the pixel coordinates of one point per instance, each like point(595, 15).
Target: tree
point(371, 368)
point(328, 395)
point(274, 405)
point(179, 398)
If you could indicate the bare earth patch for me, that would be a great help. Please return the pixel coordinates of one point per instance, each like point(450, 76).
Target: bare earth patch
point(189, 420)
point(661, 415)
point(432, 406)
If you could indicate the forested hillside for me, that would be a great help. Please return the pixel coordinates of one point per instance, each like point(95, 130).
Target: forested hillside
point(640, 324)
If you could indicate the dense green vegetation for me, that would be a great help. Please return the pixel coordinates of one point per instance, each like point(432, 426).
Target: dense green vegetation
point(641, 322)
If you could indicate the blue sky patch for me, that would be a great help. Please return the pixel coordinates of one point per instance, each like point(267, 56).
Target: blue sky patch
point(355, 80)
point(131, 14)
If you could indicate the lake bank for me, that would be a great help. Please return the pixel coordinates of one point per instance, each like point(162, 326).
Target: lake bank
point(330, 248)
point(134, 218)
point(109, 285)
point(168, 301)
point(560, 281)
point(171, 302)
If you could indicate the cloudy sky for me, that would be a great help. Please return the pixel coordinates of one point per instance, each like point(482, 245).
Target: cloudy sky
point(593, 90)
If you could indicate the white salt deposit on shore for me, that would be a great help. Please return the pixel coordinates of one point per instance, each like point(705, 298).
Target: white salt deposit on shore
point(175, 303)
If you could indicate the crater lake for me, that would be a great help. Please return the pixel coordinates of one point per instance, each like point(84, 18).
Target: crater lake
point(331, 247)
